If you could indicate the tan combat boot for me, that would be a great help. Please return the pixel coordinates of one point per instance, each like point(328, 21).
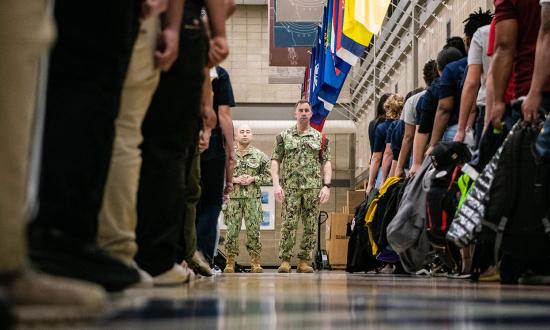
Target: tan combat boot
point(304, 267)
point(284, 267)
point(255, 265)
point(230, 265)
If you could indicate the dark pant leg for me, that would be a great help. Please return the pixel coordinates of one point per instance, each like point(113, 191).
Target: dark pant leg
point(170, 129)
point(188, 241)
point(87, 70)
point(210, 204)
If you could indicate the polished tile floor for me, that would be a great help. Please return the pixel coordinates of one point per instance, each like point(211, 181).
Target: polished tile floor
point(329, 300)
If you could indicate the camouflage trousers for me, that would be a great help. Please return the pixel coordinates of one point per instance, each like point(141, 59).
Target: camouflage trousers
point(299, 205)
point(251, 210)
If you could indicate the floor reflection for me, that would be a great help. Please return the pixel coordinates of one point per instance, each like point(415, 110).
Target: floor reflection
point(333, 301)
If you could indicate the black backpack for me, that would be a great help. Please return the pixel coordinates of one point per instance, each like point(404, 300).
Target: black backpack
point(443, 193)
point(442, 197)
point(360, 258)
point(519, 199)
point(386, 210)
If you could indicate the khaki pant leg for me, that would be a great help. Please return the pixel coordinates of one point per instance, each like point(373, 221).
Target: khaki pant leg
point(25, 32)
point(118, 216)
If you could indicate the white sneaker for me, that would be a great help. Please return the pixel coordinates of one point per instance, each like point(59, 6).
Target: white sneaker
point(172, 277)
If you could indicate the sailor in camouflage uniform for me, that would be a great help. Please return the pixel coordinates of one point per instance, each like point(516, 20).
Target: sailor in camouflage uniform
point(305, 155)
point(251, 172)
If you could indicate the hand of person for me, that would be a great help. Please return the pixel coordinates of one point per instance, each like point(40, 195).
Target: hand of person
point(238, 180)
point(429, 151)
point(204, 139)
point(167, 49)
point(324, 195)
point(399, 172)
point(459, 136)
point(225, 198)
point(530, 107)
point(279, 193)
point(414, 169)
point(219, 50)
point(369, 189)
point(247, 180)
point(153, 7)
point(498, 113)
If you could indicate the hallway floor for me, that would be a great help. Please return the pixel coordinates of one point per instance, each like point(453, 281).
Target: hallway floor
point(329, 300)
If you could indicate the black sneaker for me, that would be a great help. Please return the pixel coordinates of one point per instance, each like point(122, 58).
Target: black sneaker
point(55, 254)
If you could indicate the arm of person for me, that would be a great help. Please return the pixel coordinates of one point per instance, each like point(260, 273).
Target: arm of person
point(276, 159)
point(470, 90)
point(168, 47)
point(278, 190)
point(217, 15)
point(419, 146)
point(387, 158)
point(324, 194)
point(230, 7)
point(153, 7)
point(503, 59)
point(375, 162)
point(489, 98)
point(442, 115)
point(541, 73)
point(207, 112)
point(226, 124)
point(405, 151)
point(263, 178)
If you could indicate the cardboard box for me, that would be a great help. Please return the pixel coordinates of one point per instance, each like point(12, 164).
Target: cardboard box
point(337, 250)
point(354, 198)
point(336, 238)
point(336, 226)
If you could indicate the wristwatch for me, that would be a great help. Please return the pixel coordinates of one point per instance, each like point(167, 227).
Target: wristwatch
point(328, 185)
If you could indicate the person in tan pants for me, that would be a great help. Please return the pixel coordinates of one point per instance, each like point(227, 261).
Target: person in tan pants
point(26, 31)
point(118, 215)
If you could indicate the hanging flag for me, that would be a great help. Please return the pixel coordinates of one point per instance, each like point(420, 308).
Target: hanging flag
point(317, 106)
point(355, 36)
point(371, 13)
point(334, 77)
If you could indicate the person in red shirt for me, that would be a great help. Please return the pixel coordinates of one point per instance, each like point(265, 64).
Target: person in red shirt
point(516, 31)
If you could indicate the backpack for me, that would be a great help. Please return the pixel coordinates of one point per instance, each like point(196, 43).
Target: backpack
point(518, 209)
point(406, 233)
point(360, 257)
point(377, 206)
point(392, 205)
point(443, 194)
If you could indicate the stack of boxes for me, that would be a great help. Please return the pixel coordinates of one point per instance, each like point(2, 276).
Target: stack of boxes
point(337, 230)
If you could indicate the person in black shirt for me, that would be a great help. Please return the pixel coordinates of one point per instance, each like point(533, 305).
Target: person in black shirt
point(214, 166)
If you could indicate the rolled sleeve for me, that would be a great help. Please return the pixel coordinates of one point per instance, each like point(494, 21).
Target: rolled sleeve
point(278, 149)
